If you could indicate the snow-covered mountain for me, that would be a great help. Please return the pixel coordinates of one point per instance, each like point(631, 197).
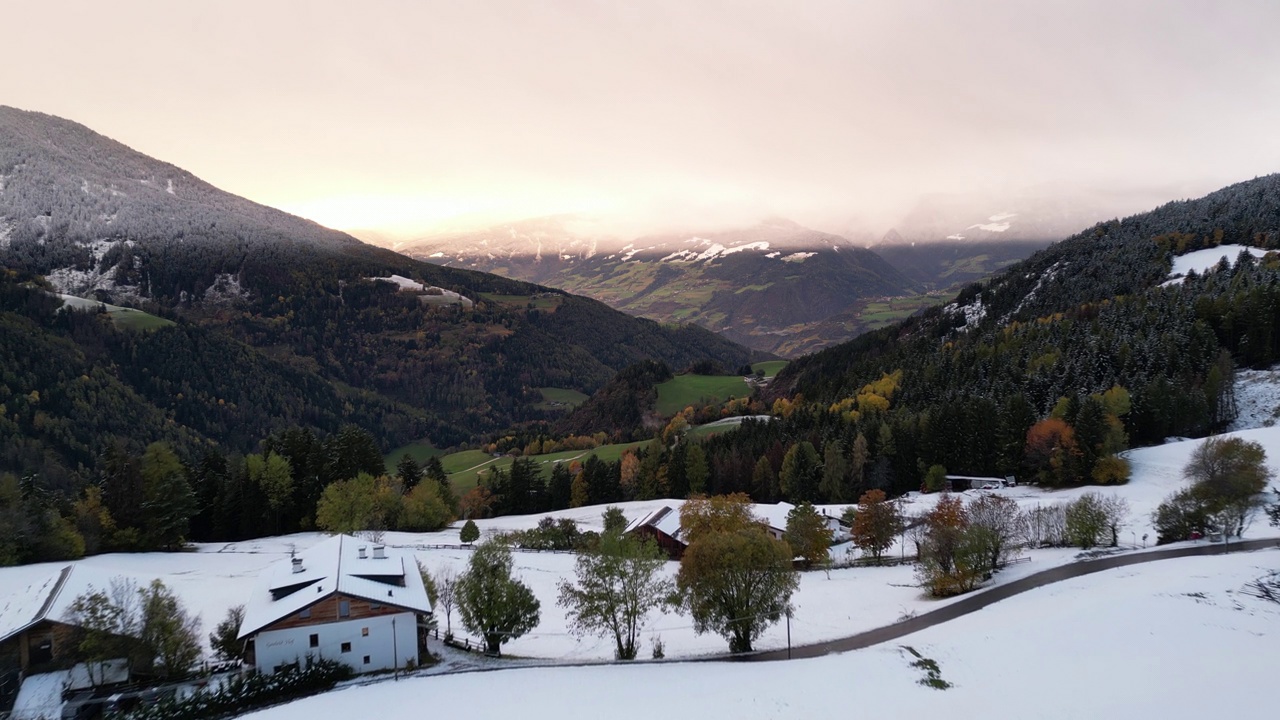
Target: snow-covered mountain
point(767, 286)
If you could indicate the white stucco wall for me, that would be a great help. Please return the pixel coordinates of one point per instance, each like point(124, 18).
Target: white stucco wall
point(277, 647)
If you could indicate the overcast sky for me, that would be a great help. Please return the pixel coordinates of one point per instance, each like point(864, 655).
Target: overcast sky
point(405, 115)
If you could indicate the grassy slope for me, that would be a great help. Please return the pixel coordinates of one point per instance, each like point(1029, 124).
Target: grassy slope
point(131, 319)
point(465, 467)
point(419, 451)
point(769, 367)
point(567, 398)
point(681, 391)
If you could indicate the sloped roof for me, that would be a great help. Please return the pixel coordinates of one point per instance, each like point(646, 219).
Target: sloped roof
point(335, 566)
point(775, 516)
point(664, 520)
point(49, 597)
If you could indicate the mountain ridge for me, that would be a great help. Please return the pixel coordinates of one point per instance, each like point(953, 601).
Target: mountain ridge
point(766, 286)
point(98, 219)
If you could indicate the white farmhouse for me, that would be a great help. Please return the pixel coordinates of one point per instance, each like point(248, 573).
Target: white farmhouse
point(775, 516)
point(344, 599)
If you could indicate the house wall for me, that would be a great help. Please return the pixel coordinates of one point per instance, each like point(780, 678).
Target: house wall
point(64, 644)
point(10, 654)
point(672, 547)
point(327, 610)
point(392, 640)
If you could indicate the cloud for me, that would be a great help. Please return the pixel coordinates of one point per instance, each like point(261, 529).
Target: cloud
point(664, 112)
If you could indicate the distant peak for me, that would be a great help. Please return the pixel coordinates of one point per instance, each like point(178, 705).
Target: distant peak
point(781, 222)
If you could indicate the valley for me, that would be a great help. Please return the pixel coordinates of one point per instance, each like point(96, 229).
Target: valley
point(639, 360)
point(1148, 600)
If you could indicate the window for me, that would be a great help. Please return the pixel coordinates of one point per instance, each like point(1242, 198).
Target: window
point(366, 659)
point(364, 632)
point(346, 647)
point(375, 606)
point(315, 640)
point(344, 608)
point(305, 614)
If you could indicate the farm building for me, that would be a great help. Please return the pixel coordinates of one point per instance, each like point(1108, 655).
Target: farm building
point(956, 483)
point(663, 526)
point(775, 516)
point(344, 599)
point(38, 633)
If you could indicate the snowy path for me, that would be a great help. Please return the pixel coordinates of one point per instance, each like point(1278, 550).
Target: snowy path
point(982, 599)
point(455, 662)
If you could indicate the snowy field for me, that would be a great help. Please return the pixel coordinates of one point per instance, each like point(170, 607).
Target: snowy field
point(1202, 260)
point(1257, 398)
point(828, 606)
point(1173, 639)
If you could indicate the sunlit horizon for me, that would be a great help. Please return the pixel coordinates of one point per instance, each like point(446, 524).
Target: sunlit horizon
point(408, 119)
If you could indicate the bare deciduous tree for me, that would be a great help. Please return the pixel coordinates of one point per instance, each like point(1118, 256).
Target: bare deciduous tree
point(999, 527)
point(447, 594)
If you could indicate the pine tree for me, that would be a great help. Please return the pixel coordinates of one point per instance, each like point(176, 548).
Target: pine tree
point(800, 474)
point(695, 468)
point(835, 473)
point(408, 472)
point(808, 535)
point(560, 489)
point(167, 499)
point(469, 533)
point(764, 481)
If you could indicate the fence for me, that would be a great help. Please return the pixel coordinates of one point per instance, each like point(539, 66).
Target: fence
point(513, 548)
point(886, 561)
point(459, 643)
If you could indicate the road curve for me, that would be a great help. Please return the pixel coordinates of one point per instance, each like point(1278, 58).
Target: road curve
point(972, 603)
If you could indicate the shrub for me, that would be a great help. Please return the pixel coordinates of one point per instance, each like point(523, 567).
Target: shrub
point(245, 692)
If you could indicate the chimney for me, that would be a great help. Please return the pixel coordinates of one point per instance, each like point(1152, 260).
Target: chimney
point(297, 565)
point(362, 552)
point(379, 552)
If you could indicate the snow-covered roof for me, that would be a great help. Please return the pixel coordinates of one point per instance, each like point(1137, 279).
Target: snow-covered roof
point(49, 596)
point(22, 605)
point(665, 520)
point(342, 564)
point(775, 516)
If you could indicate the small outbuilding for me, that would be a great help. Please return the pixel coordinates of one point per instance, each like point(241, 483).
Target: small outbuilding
point(38, 633)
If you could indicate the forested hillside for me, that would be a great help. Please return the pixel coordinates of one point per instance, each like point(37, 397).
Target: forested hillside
point(460, 356)
point(1046, 373)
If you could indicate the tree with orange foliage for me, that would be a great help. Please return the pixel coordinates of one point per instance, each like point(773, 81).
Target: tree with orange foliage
point(476, 503)
point(951, 558)
point(701, 515)
point(1052, 453)
point(629, 475)
point(875, 524)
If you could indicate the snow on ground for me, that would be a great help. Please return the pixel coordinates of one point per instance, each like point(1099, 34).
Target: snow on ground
point(1173, 639)
point(1202, 260)
point(403, 282)
point(828, 606)
point(1257, 398)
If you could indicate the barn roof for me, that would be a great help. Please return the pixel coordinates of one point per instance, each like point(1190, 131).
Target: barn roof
point(48, 595)
point(665, 520)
